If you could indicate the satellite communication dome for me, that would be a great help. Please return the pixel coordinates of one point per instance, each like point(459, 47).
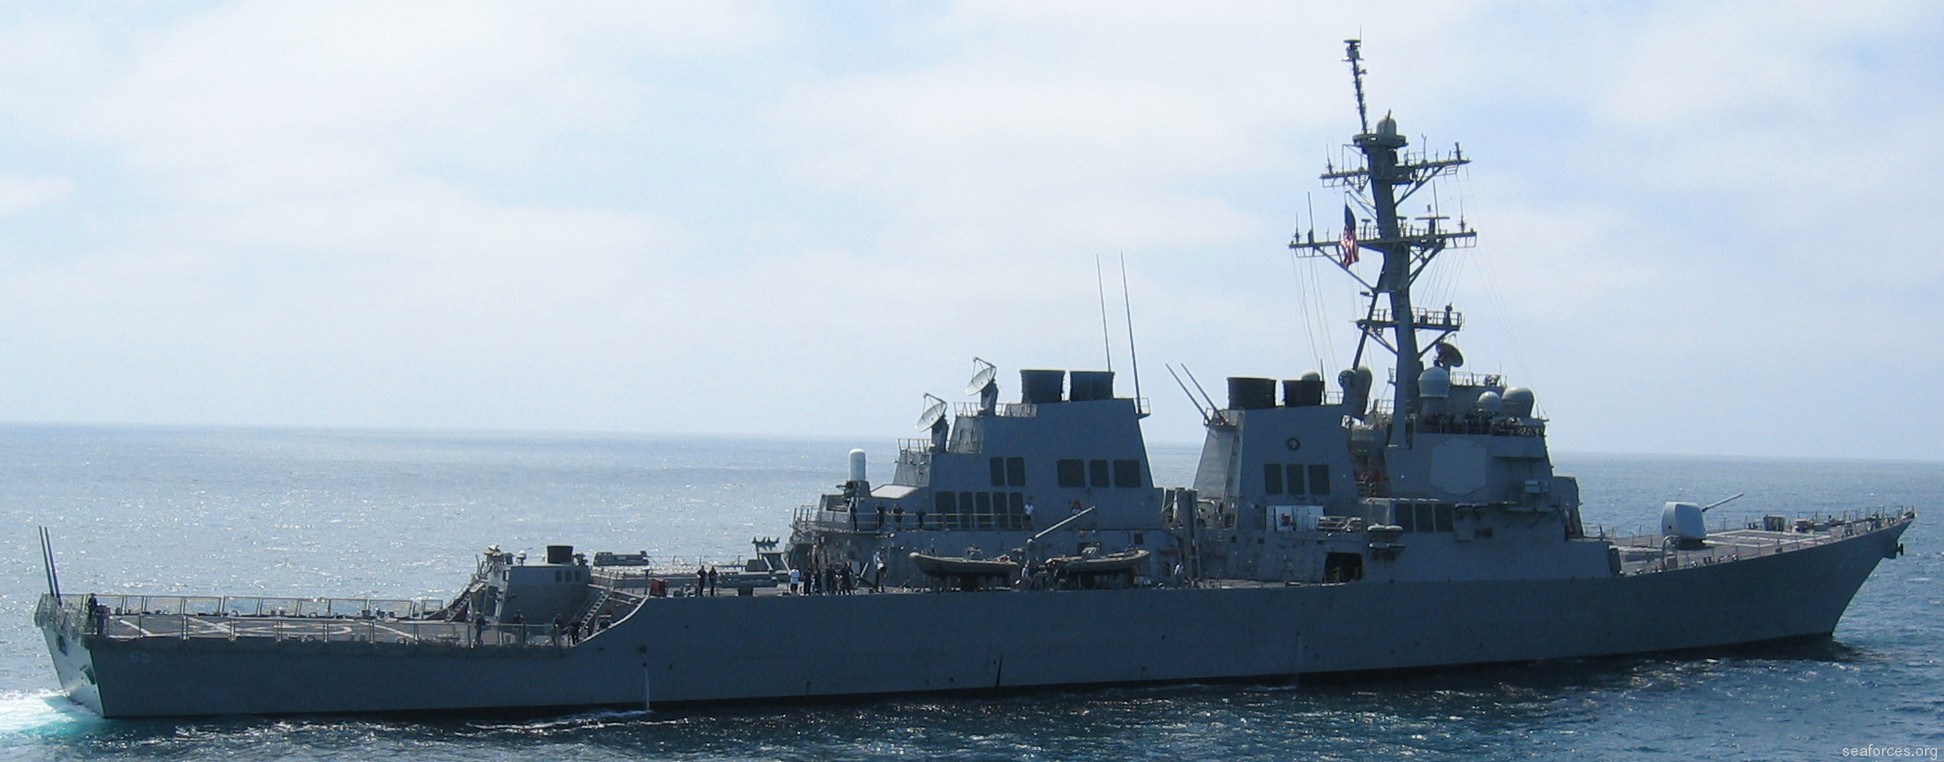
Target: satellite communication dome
point(1519, 402)
point(1434, 383)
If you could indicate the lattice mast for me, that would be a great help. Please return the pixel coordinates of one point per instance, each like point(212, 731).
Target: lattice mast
point(1388, 176)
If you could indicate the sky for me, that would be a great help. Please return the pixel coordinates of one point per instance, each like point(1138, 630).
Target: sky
point(1704, 228)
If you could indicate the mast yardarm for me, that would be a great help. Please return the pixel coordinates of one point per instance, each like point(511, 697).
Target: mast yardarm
point(1388, 176)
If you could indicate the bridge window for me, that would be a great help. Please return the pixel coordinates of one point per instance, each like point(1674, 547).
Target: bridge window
point(1097, 471)
point(1444, 517)
point(998, 472)
point(948, 509)
point(1290, 478)
point(1072, 473)
point(1295, 480)
point(1127, 473)
point(1015, 472)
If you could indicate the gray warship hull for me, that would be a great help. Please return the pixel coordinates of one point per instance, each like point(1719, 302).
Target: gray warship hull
point(1325, 533)
point(778, 647)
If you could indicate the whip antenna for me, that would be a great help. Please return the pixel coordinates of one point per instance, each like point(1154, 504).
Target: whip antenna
point(1133, 356)
point(1100, 285)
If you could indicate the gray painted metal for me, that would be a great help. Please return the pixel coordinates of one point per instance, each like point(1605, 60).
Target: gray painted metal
point(1322, 535)
point(791, 647)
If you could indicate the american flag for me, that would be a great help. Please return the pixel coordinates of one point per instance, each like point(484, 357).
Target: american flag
point(1347, 245)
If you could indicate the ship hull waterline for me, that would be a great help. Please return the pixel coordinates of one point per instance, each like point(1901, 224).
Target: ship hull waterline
point(780, 648)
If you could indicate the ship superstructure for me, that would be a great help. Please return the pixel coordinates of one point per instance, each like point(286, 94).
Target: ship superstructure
point(1058, 472)
point(1453, 465)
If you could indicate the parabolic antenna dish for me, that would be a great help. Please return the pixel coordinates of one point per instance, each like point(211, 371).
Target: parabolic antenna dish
point(982, 377)
point(1449, 356)
point(933, 412)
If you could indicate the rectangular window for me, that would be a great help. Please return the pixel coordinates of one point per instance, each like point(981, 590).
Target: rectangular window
point(998, 472)
point(1272, 474)
point(1017, 501)
point(1444, 517)
point(1127, 473)
point(1427, 518)
point(965, 513)
point(1072, 473)
point(1295, 481)
point(1097, 470)
point(945, 503)
point(1319, 481)
point(1404, 516)
point(1015, 472)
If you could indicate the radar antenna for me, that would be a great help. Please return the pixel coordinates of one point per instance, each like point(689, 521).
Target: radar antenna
point(1354, 47)
point(981, 378)
point(933, 413)
point(1387, 175)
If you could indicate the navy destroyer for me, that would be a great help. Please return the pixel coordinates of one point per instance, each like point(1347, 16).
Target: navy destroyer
point(1025, 544)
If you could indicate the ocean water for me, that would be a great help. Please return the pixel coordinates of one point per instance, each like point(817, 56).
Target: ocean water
point(387, 514)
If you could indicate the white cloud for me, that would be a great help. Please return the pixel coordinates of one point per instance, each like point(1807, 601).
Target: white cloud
point(19, 194)
point(1718, 64)
point(514, 215)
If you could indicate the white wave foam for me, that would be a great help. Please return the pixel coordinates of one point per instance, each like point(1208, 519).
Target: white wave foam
point(30, 711)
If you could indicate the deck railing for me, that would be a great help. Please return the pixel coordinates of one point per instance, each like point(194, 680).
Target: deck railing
point(306, 620)
point(1828, 529)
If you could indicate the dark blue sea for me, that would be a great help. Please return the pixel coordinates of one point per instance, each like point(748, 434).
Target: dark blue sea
point(387, 514)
